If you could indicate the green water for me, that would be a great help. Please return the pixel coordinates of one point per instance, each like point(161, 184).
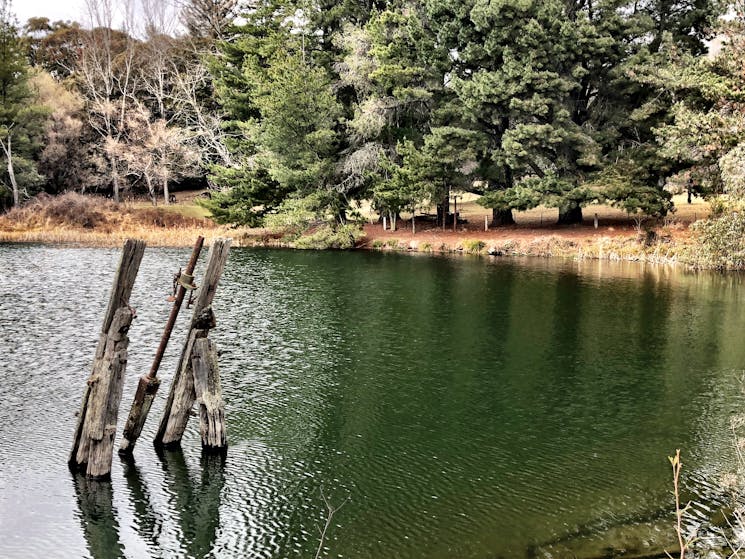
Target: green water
point(473, 408)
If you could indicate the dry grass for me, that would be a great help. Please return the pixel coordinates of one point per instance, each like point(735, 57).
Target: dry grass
point(94, 221)
point(542, 216)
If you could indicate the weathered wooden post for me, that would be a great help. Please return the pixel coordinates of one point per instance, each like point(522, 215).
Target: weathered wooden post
point(149, 383)
point(93, 443)
point(209, 395)
point(183, 394)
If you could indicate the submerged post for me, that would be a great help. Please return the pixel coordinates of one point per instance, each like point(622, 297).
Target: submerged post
point(209, 395)
point(149, 383)
point(182, 394)
point(93, 443)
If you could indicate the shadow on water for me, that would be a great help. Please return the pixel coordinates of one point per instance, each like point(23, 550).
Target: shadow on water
point(197, 501)
point(98, 517)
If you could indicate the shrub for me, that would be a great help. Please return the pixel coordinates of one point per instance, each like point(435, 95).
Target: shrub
point(76, 211)
point(719, 243)
point(327, 236)
point(473, 246)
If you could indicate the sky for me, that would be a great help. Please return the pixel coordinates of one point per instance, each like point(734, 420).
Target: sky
point(53, 9)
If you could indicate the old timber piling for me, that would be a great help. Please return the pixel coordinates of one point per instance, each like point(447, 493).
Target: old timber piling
point(93, 443)
point(197, 378)
point(149, 383)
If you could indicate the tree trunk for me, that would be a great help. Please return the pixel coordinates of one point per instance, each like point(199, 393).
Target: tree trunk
point(8, 149)
point(150, 189)
point(443, 209)
point(166, 193)
point(501, 217)
point(570, 215)
point(115, 179)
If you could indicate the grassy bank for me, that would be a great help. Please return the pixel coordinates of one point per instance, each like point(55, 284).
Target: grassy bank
point(94, 221)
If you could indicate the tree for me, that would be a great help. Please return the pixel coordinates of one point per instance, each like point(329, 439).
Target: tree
point(703, 140)
point(550, 84)
point(397, 75)
point(21, 117)
point(157, 152)
point(208, 19)
point(54, 46)
point(65, 160)
point(285, 117)
point(106, 75)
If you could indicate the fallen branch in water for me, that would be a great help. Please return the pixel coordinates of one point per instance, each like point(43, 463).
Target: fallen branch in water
point(331, 511)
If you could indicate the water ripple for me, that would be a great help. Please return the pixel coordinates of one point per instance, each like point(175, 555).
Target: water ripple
point(464, 408)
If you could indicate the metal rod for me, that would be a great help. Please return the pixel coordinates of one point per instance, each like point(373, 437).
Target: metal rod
point(148, 384)
point(180, 294)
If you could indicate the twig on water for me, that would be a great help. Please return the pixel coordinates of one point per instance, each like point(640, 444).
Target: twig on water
point(330, 512)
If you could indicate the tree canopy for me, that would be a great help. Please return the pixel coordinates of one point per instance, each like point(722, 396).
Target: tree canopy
point(282, 103)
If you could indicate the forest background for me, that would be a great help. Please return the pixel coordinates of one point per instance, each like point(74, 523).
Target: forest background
point(294, 113)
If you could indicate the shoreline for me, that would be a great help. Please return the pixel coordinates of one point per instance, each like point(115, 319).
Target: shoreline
point(77, 220)
point(578, 242)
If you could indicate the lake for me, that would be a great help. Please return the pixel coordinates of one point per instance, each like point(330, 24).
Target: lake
point(458, 407)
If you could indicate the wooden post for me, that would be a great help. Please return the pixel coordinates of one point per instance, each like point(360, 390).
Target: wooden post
point(209, 395)
point(486, 223)
point(455, 213)
point(94, 433)
point(148, 385)
point(182, 396)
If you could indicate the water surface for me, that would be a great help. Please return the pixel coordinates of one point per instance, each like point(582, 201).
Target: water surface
point(471, 408)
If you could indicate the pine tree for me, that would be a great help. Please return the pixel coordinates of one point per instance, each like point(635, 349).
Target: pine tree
point(550, 84)
point(21, 119)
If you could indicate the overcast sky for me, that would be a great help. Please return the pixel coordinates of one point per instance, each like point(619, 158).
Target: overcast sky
point(53, 9)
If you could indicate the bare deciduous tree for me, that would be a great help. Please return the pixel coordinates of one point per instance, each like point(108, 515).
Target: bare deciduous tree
point(108, 79)
point(205, 122)
point(208, 19)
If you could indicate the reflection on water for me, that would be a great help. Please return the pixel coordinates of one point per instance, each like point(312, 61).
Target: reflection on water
point(97, 517)
point(470, 408)
point(193, 501)
point(148, 522)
